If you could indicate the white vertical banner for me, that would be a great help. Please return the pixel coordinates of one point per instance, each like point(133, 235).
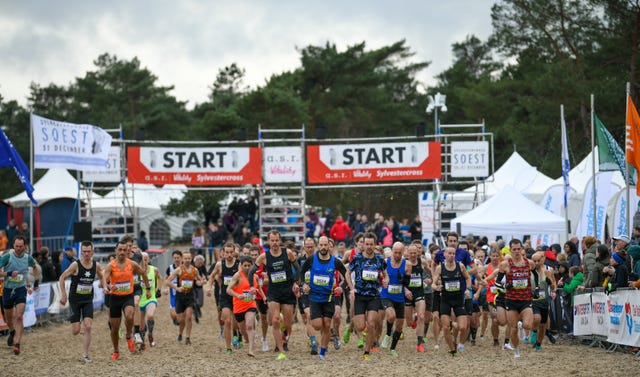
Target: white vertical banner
point(426, 210)
point(98, 295)
point(599, 311)
point(622, 224)
point(582, 314)
point(42, 296)
point(113, 172)
point(69, 146)
point(282, 164)
point(588, 225)
point(29, 316)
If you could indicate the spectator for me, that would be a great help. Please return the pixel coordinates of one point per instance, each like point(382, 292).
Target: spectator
point(634, 252)
point(68, 258)
point(24, 232)
point(635, 236)
point(328, 220)
point(596, 277)
point(251, 212)
point(405, 235)
point(230, 220)
point(350, 219)
point(573, 257)
point(197, 238)
point(56, 260)
point(48, 270)
point(4, 241)
point(364, 226)
point(386, 234)
point(340, 231)
point(416, 228)
point(309, 227)
point(143, 243)
point(617, 271)
point(589, 243)
point(313, 216)
point(577, 278)
point(12, 231)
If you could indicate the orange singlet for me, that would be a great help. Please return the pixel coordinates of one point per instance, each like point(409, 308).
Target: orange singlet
point(187, 279)
point(122, 278)
point(249, 301)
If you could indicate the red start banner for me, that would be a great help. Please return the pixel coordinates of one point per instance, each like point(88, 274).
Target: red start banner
point(194, 166)
point(374, 162)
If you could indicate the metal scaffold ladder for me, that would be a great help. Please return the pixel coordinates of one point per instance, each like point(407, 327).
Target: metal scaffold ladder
point(282, 205)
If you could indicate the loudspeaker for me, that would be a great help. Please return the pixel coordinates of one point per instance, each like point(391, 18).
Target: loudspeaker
point(420, 129)
point(82, 231)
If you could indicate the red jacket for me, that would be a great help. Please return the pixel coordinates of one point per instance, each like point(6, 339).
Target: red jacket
point(340, 231)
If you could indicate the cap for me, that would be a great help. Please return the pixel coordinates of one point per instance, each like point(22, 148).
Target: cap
point(622, 237)
point(485, 247)
point(68, 248)
point(256, 241)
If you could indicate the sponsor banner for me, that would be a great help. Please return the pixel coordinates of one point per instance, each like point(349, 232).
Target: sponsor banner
point(622, 224)
point(69, 146)
point(41, 298)
point(113, 172)
point(426, 210)
point(194, 166)
point(373, 162)
point(29, 316)
point(587, 224)
point(282, 164)
point(624, 318)
point(599, 314)
point(469, 159)
point(98, 295)
point(582, 314)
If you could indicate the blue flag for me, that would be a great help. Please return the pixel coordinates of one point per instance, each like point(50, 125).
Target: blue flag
point(10, 157)
point(566, 166)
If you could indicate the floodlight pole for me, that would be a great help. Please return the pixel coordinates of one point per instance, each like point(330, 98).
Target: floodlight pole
point(435, 103)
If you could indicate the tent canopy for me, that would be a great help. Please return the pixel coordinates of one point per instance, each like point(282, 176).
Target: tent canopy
point(581, 173)
point(509, 212)
point(54, 184)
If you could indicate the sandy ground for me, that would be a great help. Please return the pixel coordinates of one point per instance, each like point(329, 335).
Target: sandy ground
point(53, 351)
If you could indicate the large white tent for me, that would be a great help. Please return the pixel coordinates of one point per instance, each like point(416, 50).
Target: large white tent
point(509, 213)
point(54, 184)
point(580, 174)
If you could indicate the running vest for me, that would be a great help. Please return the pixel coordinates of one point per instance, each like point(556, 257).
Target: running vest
point(22, 266)
point(518, 282)
point(81, 289)
point(492, 290)
point(227, 274)
point(451, 281)
point(136, 257)
point(322, 279)
point(248, 300)
point(279, 271)
point(187, 280)
point(367, 274)
point(122, 278)
point(395, 289)
point(539, 286)
point(151, 276)
point(416, 283)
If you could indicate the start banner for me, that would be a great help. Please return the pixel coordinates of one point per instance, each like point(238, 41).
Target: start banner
point(374, 162)
point(194, 166)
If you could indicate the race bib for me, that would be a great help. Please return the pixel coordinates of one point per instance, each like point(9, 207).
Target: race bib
point(415, 282)
point(321, 280)
point(542, 294)
point(278, 277)
point(520, 283)
point(226, 280)
point(136, 279)
point(493, 289)
point(394, 289)
point(123, 286)
point(18, 279)
point(247, 296)
point(452, 286)
point(84, 289)
point(369, 275)
point(188, 284)
point(307, 277)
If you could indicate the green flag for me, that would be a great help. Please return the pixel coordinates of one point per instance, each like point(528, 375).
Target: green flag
point(610, 155)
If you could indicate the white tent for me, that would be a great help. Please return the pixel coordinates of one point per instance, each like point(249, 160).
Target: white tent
point(581, 173)
point(54, 184)
point(509, 213)
point(518, 173)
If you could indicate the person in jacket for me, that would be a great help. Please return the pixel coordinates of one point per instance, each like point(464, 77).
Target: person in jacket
point(577, 278)
point(617, 271)
point(596, 276)
point(340, 231)
point(590, 245)
point(573, 257)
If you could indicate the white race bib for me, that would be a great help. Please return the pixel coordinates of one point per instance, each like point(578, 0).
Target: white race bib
point(321, 280)
point(84, 289)
point(226, 280)
point(18, 279)
point(452, 286)
point(188, 284)
point(369, 275)
point(542, 294)
point(307, 277)
point(278, 277)
point(123, 286)
point(394, 289)
point(493, 289)
point(415, 282)
point(520, 283)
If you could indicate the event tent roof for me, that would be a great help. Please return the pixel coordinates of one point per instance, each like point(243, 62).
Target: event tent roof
point(54, 184)
point(509, 212)
point(581, 173)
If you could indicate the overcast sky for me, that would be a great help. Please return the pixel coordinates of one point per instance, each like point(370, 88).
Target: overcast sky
point(185, 43)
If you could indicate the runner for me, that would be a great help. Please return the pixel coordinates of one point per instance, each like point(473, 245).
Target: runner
point(321, 287)
point(415, 295)
point(244, 304)
point(263, 283)
point(83, 272)
point(279, 264)
point(14, 295)
point(188, 276)
point(541, 280)
point(148, 305)
point(177, 261)
point(222, 273)
point(346, 260)
point(119, 273)
point(392, 297)
point(495, 298)
point(307, 253)
point(452, 276)
point(365, 286)
point(134, 253)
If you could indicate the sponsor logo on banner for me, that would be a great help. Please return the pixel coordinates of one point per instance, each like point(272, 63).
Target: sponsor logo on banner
point(194, 166)
point(69, 146)
point(282, 164)
point(373, 162)
point(469, 159)
point(113, 173)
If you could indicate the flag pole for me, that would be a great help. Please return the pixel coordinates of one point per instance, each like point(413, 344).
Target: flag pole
point(31, 224)
point(629, 223)
point(593, 171)
point(564, 142)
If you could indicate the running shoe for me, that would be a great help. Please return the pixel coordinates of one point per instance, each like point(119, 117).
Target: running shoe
point(281, 356)
point(265, 345)
point(16, 348)
point(240, 344)
point(115, 355)
point(402, 335)
point(10, 338)
point(525, 340)
point(374, 347)
point(552, 339)
point(285, 347)
point(234, 342)
point(452, 353)
point(322, 357)
point(131, 345)
point(175, 322)
point(460, 347)
point(537, 347)
point(386, 341)
point(229, 351)
point(394, 353)
point(516, 353)
point(347, 335)
point(521, 333)
point(496, 342)
point(436, 346)
point(534, 337)
point(137, 338)
point(336, 342)
point(314, 348)
point(152, 342)
point(86, 359)
point(187, 341)
point(482, 338)
point(366, 357)
point(507, 347)
point(179, 337)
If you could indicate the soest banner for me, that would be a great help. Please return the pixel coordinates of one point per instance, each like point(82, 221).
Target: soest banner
point(469, 159)
point(113, 173)
point(194, 166)
point(373, 162)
